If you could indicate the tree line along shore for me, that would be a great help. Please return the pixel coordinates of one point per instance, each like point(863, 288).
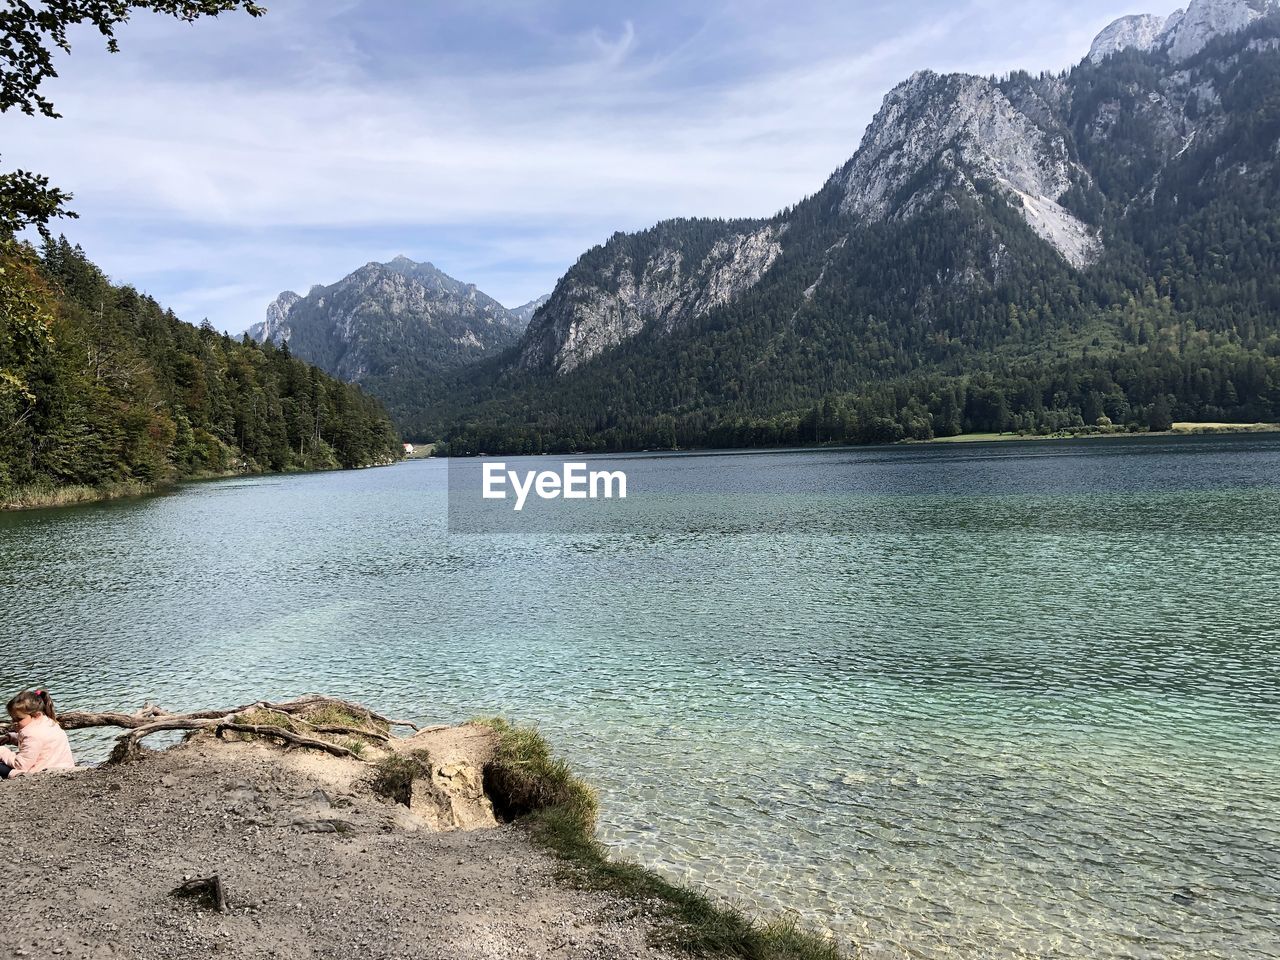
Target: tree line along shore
point(105, 393)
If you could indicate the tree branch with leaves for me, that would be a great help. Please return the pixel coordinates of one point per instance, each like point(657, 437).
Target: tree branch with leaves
point(31, 34)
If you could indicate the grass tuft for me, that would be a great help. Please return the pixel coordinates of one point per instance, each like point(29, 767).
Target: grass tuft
point(524, 778)
point(394, 774)
point(42, 495)
point(330, 714)
point(527, 783)
point(268, 718)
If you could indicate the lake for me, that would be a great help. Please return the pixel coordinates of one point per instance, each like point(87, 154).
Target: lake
point(999, 700)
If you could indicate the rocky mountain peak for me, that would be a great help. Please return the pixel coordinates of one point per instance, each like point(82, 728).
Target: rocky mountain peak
point(275, 326)
point(1140, 32)
point(1182, 34)
point(1204, 20)
point(407, 267)
point(936, 132)
point(386, 322)
point(524, 313)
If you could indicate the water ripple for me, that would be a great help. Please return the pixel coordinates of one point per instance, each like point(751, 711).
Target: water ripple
point(976, 703)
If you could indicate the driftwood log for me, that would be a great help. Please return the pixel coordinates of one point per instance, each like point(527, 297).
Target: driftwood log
point(153, 719)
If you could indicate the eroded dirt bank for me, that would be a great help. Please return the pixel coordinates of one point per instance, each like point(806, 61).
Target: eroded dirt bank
point(314, 862)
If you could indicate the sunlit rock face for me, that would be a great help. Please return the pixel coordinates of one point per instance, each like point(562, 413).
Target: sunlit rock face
point(276, 325)
point(1141, 32)
point(1182, 34)
point(617, 291)
point(935, 132)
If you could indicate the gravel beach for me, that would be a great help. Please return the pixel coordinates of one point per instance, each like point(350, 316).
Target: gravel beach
point(314, 864)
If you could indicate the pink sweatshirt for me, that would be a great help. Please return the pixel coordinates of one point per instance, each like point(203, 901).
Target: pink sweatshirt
point(42, 745)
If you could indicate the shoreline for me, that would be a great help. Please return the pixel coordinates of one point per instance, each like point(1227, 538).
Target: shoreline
point(1180, 430)
point(41, 497)
point(310, 829)
point(50, 497)
point(44, 497)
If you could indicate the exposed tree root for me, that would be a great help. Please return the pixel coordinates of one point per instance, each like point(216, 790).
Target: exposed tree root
point(153, 719)
point(288, 736)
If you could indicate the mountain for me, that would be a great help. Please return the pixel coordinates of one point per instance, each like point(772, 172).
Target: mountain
point(934, 135)
point(1141, 32)
point(1183, 33)
point(677, 272)
point(1119, 215)
point(524, 313)
point(1093, 248)
point(102, 390)
point(391, 327)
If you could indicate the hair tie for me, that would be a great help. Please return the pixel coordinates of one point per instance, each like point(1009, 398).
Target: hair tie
point(39, 693)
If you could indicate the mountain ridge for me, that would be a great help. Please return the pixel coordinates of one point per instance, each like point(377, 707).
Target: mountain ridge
point(1183, 33)
point(982, 221)
point(1039, 230)
point(933, 135)
point(524, 313)
point(388, 325)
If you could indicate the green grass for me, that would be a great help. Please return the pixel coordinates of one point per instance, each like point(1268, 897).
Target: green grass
point(394, 774)
point(358, 747)
point(268, 718)
point(1212, 428)
point(49, 495)
point(528, 784)
point(329, 714)
point(525, 778)
point(1091, 432)
point(981, 438)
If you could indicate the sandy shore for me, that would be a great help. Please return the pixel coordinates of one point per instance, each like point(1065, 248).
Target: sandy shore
point(314, 863)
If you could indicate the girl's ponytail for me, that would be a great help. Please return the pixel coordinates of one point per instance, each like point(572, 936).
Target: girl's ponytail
point(30, 702)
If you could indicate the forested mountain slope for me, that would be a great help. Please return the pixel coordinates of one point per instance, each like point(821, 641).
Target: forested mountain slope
point(1028, 252)
point(101, 387)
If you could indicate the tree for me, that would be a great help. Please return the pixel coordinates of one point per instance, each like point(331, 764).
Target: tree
point(30, 33)
point(27, 200)
point(1160, 419)
point(101, 386)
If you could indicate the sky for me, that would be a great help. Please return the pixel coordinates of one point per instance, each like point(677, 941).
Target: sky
point(218, 163)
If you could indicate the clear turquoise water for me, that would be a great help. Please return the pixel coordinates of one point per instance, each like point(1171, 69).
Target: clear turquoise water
point(997, 701)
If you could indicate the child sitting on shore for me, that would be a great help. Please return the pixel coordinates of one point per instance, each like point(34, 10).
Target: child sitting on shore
point(42, 744)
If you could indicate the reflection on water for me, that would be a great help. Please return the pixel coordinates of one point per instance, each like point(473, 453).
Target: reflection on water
point(973, 702)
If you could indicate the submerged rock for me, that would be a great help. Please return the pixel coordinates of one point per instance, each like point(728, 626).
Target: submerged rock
point(1184, 897)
